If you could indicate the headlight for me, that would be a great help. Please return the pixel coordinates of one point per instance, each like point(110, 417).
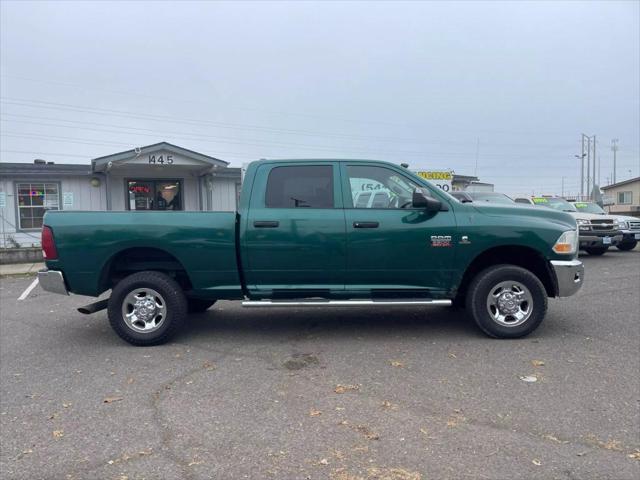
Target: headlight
point(567, 244)
point(623, 225)
point(583, 224)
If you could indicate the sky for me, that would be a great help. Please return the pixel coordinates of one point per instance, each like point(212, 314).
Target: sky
point(501, 90)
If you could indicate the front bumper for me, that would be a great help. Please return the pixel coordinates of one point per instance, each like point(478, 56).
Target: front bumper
point(52, 281)
point(591, 239)
point(570, 276)
point(630, 236)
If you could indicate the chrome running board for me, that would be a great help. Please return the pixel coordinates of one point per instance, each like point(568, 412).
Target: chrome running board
point(340, 303)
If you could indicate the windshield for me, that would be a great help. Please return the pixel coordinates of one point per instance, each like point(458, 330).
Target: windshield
point(555, 203)
point(589, 208)
point(491, 198)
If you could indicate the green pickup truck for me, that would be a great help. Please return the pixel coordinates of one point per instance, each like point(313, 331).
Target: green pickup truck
point(317, 233)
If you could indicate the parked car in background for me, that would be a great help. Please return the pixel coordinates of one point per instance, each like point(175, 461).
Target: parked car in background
point(629, 226)
point(597, 232)
point(490, 197)
point(304, 235)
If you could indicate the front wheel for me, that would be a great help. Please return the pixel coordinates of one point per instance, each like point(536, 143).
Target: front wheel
point(147, 308)
point(597, 251)
point(507, 301)
point(626, 246)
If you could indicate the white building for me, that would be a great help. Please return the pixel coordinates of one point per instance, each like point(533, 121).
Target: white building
point(157, 177)
point(624, 197)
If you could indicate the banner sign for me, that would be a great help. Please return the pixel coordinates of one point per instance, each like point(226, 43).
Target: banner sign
point(440, 178)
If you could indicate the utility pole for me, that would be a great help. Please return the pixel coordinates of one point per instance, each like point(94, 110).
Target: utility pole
point(588, 164)
point(614, 147)
point(593, 186)
point(582, 169)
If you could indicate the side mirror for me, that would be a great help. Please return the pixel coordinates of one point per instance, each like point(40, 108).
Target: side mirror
point(421, 200)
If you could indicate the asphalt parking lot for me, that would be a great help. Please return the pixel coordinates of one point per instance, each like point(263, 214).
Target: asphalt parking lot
point(343, 394)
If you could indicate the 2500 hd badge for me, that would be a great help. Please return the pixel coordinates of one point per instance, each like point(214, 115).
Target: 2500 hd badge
point(440, 240)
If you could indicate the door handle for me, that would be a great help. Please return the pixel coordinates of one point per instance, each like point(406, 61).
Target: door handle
point(265, 224)
point(365, 224)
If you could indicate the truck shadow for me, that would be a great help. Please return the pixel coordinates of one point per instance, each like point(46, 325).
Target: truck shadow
point(230, 321)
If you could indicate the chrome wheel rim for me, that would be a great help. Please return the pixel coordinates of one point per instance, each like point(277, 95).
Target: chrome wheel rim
point(144, 310)
point(510, 303)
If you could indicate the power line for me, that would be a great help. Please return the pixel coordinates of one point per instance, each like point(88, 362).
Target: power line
point(28, 152)
point(276, 112)
point(235, 126)
point(190, 121)
point(252, 142)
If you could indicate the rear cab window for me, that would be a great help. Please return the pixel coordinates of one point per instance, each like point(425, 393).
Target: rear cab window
point(300, 186)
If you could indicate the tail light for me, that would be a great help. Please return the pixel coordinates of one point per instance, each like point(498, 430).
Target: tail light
point(49, 250)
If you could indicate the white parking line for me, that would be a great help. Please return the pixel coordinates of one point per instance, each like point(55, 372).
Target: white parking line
point(28, 290)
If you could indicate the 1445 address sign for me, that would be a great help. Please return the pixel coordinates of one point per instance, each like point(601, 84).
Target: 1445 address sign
point(161, 159)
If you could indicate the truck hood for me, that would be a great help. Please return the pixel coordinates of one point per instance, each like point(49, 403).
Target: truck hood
point(519, 210)
point(625, 218)
point(591, 216)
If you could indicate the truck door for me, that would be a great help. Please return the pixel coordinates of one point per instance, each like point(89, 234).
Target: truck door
point(293, 241)
point(393, 248)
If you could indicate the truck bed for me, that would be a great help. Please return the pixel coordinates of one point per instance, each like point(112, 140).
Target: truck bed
point(90, 243)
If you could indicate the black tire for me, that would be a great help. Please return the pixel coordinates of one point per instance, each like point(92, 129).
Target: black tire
point(485, 282)
point(174, 307)
point(198, 305)
point(626, 246)
point(596, 251)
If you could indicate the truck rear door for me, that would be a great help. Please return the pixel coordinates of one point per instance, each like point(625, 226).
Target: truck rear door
point(293, 237)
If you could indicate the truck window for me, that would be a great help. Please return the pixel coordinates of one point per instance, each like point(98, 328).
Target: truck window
point(379, 187)
point(300, 187)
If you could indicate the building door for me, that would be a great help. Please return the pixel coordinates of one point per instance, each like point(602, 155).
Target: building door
point(154, 195)
point(392, 247)
point(294, 236)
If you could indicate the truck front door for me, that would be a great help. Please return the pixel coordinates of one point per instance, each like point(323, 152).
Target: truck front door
point(293, 241)
point(393, 248)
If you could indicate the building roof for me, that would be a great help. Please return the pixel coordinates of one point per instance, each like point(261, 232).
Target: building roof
point(619, 184)
point(55, 169)
point(136, 152)
point(464, 178)
point(228, 172)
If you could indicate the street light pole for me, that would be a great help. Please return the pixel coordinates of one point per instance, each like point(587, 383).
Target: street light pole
point(581, 157)
point(588, 162)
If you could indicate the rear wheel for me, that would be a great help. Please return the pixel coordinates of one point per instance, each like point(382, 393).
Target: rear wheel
point(147, 308)
point(197, 305)
point(626, 246)
point(597, 251)
point(507, 301)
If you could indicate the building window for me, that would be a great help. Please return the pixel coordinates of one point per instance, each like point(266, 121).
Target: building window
point(300, 187)
point(34, 199)
point(625, 198)
point(154, 195)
